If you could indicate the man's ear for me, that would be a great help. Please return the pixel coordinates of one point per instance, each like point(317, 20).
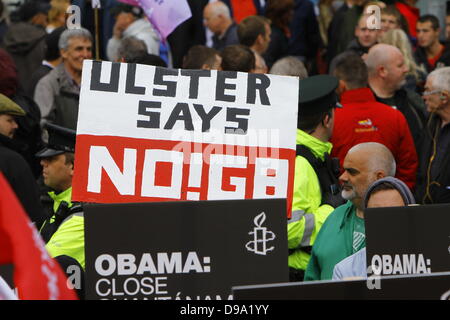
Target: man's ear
point(327, 120)
point(382, 71)
point(342, 87)
point(445, 96)
point(63, 53)
point(260, 39)
point(380, 175)
point(206, 67)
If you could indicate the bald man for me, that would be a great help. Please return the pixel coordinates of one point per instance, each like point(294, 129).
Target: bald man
point(343, 233)
point(217, 18)
point(387, 71)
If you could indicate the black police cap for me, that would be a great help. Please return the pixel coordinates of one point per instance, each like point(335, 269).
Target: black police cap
point(60, 140)
point(317, 94)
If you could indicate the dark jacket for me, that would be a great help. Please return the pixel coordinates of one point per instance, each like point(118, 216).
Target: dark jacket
point(357, 47)
point(434, 167)
point(25, 42)
point(37, 75)
point(414, 110)
point(230, 37)
point(57, 96)
point(191, 32)
point(444, 61)
point(29, 133)
point(278, 46)
point(305, 35)
point(19, 176)
point(342, 30)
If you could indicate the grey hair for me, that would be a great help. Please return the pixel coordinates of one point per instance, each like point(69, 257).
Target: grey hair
point(68, 34)
point(381, 157)
point(289, 66)
point(131, 48)
point(440, 78)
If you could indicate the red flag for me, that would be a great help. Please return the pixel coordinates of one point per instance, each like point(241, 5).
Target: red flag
point(36, 275)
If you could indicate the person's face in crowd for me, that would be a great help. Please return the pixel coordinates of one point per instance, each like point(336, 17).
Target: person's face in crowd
point(426, 35)
point(212, 21)
point(385, 198)
point(447, 27)
point(434, 99)
point(57, 173)
point(217, 63)
point(366, 37)
point(8, 125)
point(357, 176)
point(396, 70)
point(388, 22)
point(123, 20)
point(40, 19)
point(78, 50)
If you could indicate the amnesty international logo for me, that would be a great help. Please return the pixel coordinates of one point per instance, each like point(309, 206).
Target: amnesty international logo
point(260, 237)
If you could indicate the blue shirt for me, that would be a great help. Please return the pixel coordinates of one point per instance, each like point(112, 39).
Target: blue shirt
point(352, 266)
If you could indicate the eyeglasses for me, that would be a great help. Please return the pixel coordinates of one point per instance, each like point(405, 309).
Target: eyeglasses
point(428, 93)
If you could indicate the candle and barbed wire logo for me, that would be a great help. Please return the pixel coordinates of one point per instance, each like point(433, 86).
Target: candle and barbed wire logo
point(260, 237)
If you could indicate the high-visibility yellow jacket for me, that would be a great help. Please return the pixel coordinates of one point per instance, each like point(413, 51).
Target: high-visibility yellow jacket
point(69, 237)
point(308, 212)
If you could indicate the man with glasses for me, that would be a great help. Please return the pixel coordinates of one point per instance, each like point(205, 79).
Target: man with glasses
point(433, 181)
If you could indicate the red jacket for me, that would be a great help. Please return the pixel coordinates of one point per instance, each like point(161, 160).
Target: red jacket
point(363, 119)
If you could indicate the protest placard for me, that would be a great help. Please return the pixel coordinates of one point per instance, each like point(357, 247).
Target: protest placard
point(196, 252)
point(155, 134)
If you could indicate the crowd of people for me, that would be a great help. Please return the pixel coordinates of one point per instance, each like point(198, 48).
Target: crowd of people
point(375, 98)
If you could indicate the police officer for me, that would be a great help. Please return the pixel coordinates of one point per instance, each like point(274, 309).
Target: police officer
point(316, 192)
point(63, 231)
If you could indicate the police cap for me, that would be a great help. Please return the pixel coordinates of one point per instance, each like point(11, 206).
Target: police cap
point(60, 140)
point(7, 106)
point(317, 94)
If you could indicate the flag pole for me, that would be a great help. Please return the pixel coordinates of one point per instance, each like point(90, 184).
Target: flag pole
point(97, 36)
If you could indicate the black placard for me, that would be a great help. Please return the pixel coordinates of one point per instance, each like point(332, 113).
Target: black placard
point(408, 240)
point(431, 286)
point(187, 250)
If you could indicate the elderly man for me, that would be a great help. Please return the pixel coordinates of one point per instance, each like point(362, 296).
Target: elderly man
point(13, 165)
point(387, 71)
point(343, 233)
point(217, 19)
point(434, 161)
point(130, 22)
point(57, 93)
point(386, 192)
